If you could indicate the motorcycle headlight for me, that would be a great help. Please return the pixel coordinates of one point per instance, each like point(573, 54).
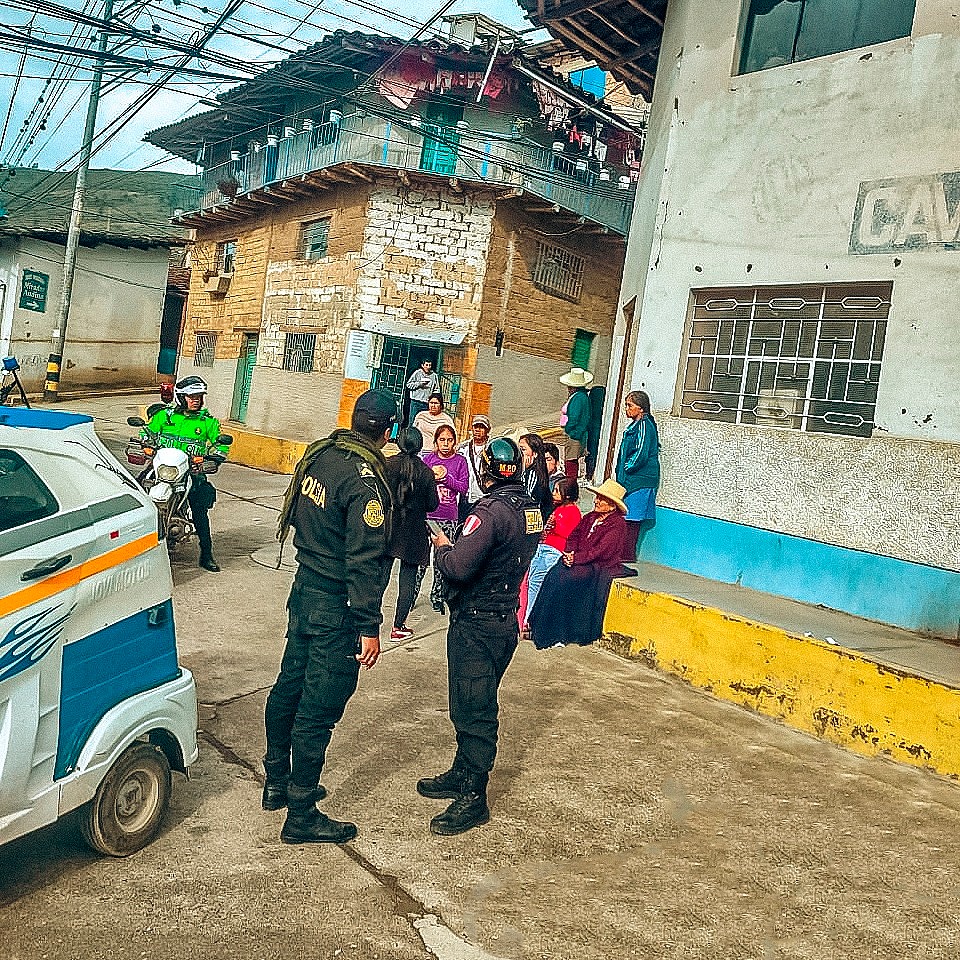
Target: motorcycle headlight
point(168, 473)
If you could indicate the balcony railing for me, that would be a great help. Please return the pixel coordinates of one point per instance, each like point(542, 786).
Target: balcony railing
point(444, 151)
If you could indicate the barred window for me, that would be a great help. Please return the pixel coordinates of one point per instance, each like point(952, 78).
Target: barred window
point(205, 350)
point(298, 352)
point(226, 256)
point(558, 271)
point(315, 235)
point(803, 357)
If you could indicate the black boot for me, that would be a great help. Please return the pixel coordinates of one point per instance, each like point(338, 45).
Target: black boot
point(306, 824)
point(467, 811)
point(275, 785)
point(208, 563)
point(446, 786)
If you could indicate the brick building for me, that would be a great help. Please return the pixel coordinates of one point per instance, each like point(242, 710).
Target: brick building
point(459, 203)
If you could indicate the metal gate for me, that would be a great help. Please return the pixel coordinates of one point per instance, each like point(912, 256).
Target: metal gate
point(391, 375)
point(244, 378)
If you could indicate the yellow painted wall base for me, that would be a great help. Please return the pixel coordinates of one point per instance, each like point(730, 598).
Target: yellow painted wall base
point(273, 454)
point(825, 690)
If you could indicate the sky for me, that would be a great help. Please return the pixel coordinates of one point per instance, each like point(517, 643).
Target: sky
point(40, 90)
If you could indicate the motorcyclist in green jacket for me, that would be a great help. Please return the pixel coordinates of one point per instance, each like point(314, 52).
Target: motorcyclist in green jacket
point(189, 426)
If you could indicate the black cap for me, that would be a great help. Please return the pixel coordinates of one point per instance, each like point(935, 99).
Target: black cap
point(376, 409)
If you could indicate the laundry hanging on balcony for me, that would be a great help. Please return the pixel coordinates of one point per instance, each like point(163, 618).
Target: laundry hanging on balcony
point(412, 74)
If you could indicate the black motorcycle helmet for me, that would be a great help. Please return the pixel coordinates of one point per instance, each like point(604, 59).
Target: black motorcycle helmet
point(501, 462)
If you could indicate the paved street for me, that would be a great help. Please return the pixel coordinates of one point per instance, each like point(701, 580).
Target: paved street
point(631, 815)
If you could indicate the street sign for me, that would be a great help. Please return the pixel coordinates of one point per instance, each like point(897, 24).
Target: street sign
point(33, 291)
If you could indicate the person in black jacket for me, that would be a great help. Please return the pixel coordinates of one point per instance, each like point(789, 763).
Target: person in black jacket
point(414, 489)
point(483, 571)
point(339, 505)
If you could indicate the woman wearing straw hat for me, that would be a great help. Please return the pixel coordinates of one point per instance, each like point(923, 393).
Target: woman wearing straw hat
point(573, 597)
point(575, 418)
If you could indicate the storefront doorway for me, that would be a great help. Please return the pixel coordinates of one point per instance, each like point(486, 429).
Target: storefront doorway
point(400, 357)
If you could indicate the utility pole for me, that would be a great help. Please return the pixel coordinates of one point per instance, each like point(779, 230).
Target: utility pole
point(52, 384)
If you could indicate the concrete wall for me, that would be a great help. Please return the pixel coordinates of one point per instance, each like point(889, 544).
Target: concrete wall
point(113, 331)
point(755, 179)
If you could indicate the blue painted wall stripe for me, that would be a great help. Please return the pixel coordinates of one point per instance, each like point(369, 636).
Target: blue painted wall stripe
point(910, 595)
point(106, 668)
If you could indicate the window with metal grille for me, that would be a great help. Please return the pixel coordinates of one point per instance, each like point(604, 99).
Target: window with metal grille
point(314, 243)
point(558, 271)
point(226, 256)
point(785, 31)
point(582, 348)
point(298, 352)
point(205, 350)
point(803, 357)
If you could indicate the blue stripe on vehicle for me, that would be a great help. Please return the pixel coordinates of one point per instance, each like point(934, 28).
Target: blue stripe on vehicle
point(108, 667)
point(915, 596)
point(41, 419)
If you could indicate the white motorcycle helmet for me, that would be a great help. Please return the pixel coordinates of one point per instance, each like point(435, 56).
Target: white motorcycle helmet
point(189, 387)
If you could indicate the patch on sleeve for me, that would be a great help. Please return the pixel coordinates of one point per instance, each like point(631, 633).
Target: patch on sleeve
point(471, 525)
point(373, 514)
point(534, 520)
point(365, 470)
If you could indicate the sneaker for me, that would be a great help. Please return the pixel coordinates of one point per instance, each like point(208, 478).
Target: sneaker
point(400, 633)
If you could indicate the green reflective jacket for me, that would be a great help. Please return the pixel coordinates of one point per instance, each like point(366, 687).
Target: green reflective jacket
point(194, 433)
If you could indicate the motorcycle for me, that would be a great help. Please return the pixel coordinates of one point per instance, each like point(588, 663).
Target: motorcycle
point(168, 477)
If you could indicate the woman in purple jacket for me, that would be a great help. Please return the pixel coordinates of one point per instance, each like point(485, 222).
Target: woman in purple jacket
point(452, 475)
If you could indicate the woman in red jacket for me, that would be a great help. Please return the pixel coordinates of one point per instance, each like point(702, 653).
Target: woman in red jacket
point(560, 524)
point(573, 597)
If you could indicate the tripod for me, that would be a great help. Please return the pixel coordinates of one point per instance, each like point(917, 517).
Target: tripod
point(11, 380)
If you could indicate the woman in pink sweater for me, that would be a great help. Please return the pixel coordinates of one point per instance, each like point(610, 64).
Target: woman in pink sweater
point(452, 475)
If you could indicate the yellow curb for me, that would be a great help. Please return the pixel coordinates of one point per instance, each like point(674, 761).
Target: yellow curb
point(273, 454)
point(834, 693)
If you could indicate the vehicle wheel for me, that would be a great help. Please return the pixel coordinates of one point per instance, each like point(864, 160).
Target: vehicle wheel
point(129, 805)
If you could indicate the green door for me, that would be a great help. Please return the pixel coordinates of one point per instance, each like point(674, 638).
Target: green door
point(440, 137)
point(241, 385)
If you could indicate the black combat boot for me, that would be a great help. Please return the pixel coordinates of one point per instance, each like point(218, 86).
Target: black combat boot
point(467, 811)
point(275, 786)
point(306, 824)
point(277, 774)
point(446, 786)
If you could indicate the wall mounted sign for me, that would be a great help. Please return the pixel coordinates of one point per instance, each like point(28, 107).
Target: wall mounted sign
point(33, 291)
point(907, 213)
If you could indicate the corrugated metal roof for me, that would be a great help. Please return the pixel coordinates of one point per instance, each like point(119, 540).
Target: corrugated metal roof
point(126, 207)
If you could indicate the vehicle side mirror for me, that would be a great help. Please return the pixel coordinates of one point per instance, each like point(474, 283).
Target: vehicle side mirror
point(136, 422)
point(225, 439)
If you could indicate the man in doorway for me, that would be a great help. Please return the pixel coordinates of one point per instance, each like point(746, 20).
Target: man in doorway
point(423, 382)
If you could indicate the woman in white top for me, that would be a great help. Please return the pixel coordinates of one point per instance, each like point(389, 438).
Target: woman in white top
point(427, 421)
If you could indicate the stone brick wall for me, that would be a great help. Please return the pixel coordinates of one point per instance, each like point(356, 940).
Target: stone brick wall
point(539, 328)
point(273, 237)
point(425, 256)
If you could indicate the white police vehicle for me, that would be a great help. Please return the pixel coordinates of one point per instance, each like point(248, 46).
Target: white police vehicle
point(94, 708)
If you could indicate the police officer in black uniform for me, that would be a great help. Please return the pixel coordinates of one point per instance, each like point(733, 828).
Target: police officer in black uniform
point(339, 504)
point(483, 572)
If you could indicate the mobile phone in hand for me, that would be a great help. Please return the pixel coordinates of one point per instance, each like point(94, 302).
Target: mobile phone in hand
point(434, 527)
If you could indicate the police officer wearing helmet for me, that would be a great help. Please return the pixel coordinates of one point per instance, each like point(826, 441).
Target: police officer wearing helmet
point(483, 570)
point(339, 505)
point(190, 427)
